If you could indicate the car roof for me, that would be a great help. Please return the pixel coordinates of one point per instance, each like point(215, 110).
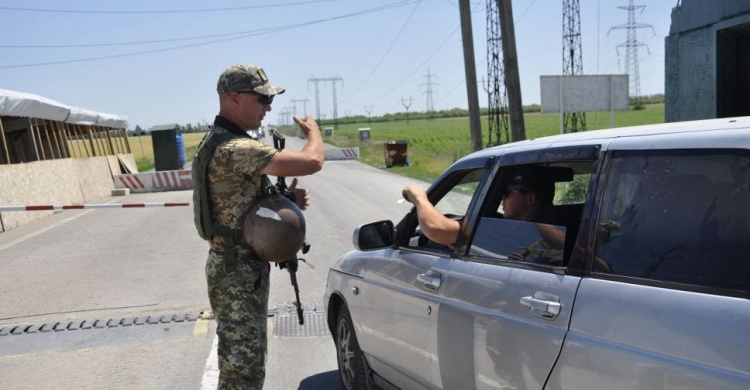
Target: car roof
point(692, 132)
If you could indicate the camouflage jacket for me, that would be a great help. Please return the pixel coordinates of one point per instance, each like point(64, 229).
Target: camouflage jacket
point(235, 176)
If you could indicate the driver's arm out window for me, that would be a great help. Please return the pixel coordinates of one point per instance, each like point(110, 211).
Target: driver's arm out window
point(454, 204)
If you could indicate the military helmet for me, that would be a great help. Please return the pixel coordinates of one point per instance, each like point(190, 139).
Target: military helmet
point(275, 228)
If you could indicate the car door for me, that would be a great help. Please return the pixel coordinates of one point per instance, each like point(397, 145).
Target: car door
point(504, 317)
point(666, 305)
point(400, 302)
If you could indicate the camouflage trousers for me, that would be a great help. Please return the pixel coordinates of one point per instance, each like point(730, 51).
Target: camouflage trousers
point(239, 299)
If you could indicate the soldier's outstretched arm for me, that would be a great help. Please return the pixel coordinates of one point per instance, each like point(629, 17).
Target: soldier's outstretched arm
point(304, 162)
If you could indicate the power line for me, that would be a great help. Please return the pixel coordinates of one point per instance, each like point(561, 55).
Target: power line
point(400, 31)
point(249, 34)
point(418, 67)
point(333, 81)
point(68, 11)
point(406, 106)
point(262, 30)
point(632, 44)
point(429, 92)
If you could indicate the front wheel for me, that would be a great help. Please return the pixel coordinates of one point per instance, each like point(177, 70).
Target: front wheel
point(352, 367)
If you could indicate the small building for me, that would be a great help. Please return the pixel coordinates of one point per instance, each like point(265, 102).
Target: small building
point(52, 153)
point(707, 58)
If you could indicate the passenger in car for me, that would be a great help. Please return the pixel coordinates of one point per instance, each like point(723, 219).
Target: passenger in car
point(527, 197)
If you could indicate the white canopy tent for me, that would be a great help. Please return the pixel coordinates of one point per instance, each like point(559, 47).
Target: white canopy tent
point(28, 105)
point(56, 130)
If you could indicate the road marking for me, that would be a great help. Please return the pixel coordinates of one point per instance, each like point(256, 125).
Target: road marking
point(211, 371)
point(30, 235)
point(201, 327)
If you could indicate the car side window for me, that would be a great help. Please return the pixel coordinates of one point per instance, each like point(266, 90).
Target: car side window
point(677, 216)
point(454, 203)
point(546, 236)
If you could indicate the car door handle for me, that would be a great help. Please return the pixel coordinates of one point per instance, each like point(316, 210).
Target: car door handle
point(543, 305)
point(430, 280)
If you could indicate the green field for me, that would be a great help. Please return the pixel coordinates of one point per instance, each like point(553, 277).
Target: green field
point(433, 145)
point(143, 149)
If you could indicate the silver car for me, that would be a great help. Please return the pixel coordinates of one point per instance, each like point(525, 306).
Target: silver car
point(648, 286)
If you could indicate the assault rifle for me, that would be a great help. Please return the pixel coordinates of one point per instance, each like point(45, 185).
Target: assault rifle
point(292, 264)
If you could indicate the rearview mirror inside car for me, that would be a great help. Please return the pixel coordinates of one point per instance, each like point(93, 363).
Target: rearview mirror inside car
point(374, 235)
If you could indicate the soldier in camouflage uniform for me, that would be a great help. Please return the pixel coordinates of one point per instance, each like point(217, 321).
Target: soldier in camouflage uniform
point(238, 283)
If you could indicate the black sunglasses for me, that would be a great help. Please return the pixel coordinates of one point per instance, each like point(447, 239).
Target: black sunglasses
point(506, 191)
point(262, 99)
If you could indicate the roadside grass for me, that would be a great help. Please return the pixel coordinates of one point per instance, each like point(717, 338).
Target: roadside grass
point(433, 145)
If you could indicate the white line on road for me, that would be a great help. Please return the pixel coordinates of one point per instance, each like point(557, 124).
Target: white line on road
point(211, 372)
point(30, 235)
point(54, 225)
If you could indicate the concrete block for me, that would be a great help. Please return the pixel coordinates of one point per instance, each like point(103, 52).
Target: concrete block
point(121, 192)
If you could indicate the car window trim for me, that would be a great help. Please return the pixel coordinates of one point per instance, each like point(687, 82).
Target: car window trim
point(591, 152)
point(671, 285)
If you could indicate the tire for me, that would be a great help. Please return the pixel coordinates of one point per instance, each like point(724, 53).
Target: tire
point(353, 371)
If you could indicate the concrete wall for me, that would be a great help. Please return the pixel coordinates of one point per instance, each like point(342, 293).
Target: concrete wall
point(691, 56)
point(690, 76)
point(695, 14)
point(59, 182)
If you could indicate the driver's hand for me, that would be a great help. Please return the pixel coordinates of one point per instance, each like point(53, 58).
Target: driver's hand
point(414, 194)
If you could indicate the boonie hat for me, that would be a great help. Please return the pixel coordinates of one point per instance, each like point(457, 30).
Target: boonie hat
point(533, 179)
point(246, 78)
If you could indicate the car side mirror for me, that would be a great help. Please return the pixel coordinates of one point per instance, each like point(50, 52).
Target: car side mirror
point(374, 235)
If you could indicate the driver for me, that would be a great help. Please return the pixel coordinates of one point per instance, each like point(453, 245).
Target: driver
point(527, 197)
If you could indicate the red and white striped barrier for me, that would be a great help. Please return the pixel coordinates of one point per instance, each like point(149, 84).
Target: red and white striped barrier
point(342, 153)
point(91, 206)
point(155, 181)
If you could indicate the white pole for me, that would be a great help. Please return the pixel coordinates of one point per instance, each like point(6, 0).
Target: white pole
point(611, 108)
point(562, 117)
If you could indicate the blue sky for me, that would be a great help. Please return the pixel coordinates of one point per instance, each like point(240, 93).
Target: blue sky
point(381, 49)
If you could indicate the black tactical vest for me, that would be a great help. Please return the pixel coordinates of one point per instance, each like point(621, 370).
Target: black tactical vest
point(202, 213)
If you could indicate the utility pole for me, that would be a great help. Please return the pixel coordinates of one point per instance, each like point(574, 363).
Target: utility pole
point(497, 96)
point(285, 116)
point(333, 81)
point(512, 77)
point(429, 92)
point(369, 110)
point(315, 80)
point(572, 59)
point(475, 125)
point(304, 105)
point(631, 44)
point(406, 106)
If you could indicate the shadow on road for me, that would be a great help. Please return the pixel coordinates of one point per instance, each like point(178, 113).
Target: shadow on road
point(324, 380)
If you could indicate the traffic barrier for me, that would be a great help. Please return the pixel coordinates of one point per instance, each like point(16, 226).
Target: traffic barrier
point(155, 181)
point(342, 154)
point(92, 206)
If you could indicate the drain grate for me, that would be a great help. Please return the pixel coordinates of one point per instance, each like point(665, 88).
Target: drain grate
point(287, 325)
point(6, 330)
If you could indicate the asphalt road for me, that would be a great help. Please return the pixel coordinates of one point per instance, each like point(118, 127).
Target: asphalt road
point(113, 298)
